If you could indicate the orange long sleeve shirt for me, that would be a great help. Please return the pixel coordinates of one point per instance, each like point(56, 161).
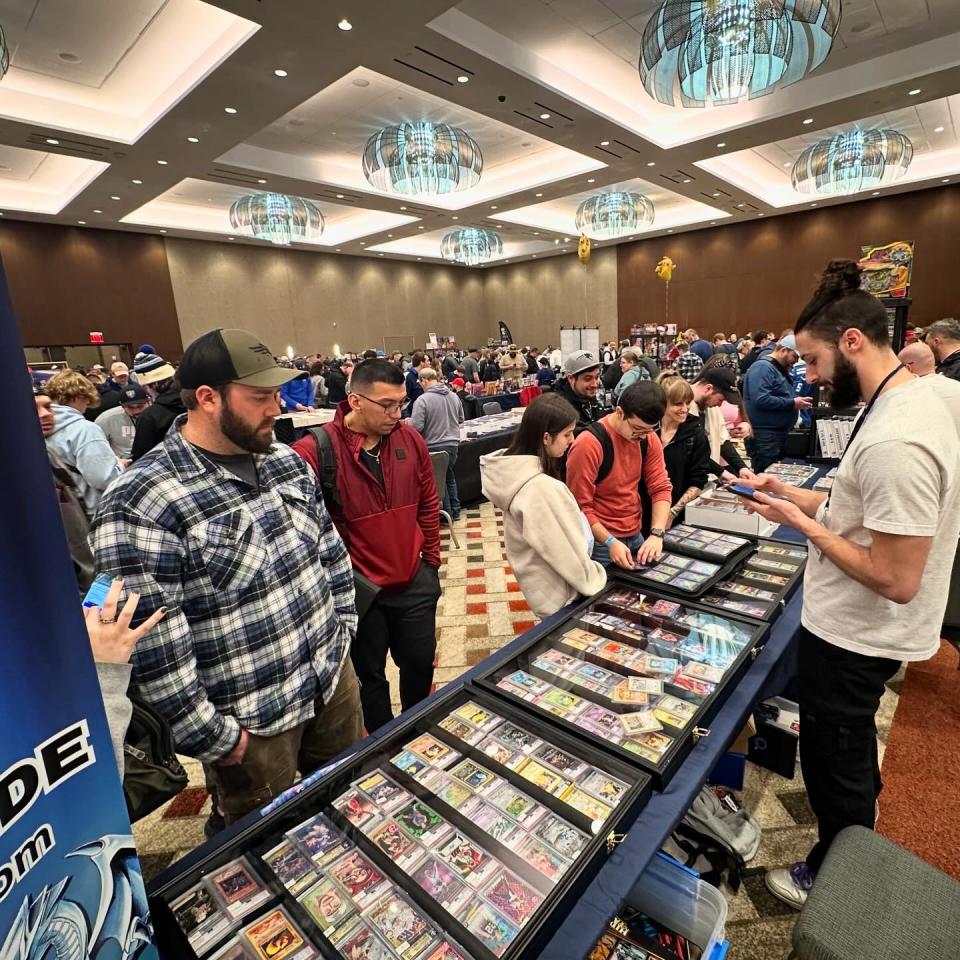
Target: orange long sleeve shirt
point(615, 502)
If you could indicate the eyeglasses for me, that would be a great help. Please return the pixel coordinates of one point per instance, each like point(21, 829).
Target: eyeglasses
point(387, 406)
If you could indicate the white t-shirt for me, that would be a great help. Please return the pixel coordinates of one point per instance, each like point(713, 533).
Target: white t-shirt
point(901, 475)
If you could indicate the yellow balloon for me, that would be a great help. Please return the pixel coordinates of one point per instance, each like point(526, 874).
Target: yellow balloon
point(664, 269)
point(584, 249)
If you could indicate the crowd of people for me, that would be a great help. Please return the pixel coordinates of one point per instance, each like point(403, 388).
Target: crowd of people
point(271, 581)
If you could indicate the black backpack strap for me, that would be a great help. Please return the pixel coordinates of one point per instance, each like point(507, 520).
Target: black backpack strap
point(326, 466)
point(599, 433)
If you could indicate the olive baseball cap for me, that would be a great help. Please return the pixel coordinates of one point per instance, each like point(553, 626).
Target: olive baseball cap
point(230, 356)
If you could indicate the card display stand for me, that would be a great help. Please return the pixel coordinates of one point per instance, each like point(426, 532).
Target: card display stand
point(631, 671)
point(466, 832)
point(760, 587)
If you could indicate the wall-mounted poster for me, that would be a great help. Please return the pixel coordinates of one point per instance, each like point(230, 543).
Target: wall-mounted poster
point(887, 269)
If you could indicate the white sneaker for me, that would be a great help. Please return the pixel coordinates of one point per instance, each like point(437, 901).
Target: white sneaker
point(791, 884)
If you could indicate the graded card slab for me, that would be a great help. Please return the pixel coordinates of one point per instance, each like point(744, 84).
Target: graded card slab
point(513, 898)
point(698, 687)
point(762, 564)
point(467, 860)
point(583, 639)
point(641, 721)
point(621, 597)
point(234, 950)
point(495, 932)
point(558, 658)
point(235, 882)
point(649, 685)
point(598, 675)
point(403, 925)
point(773, 578)
point(446, 951)
point(329, 906)
point(516, 804)
point(681, 708)
point(495, 823)
point(360, 942)
point(320, 839)
point(543, 777)
point(661, 576)
point(356, 807)
point(410, 763)
point(454, 794)
point(433, 751)
point(501, 753)
point(671, 720)
point(461, 729)
point(422, 823)
point(543, 858)
point(666, 608)
point(702, 671)
point(291, 867)
point(567, 840)
point(397, 845)
point(602, 719)
point(197, 916)
point(520, 678)
point(362, 881)
point(586, 804)
point(473, 775)
point(660, 666)
point(566, 763)
point(443, 885)
point(621, 693)
point(385, 793)
point(274, 937)
point(516, 737)
point(475, 715)
point(602, 785)
point(657, 743)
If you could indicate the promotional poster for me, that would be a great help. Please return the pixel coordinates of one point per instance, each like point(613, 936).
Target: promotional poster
point(70, 881)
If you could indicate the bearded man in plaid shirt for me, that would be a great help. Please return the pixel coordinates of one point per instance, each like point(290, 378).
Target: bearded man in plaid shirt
point(251, 664)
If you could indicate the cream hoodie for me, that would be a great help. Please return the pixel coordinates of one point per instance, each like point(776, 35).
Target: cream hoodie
point(543, 531)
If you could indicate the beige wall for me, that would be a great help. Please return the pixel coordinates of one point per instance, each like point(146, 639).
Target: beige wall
point(294, 298)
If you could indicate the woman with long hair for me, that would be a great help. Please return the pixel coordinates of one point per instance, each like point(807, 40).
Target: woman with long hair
point(547, 537)
point(686, 451)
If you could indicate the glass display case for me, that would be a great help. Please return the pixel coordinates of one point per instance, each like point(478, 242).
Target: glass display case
point(633, 671)
point(457, 835)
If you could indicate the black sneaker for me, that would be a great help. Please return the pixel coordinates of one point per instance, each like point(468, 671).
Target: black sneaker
point(215, 823)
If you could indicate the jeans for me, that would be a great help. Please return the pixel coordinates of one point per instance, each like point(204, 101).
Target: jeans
point(840, 693)
point(450, 497)
point(403, 624)
point(602, 554)
point(270, 764)
point(765, 447)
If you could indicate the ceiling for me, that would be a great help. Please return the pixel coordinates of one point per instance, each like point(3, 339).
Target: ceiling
point(155, 115)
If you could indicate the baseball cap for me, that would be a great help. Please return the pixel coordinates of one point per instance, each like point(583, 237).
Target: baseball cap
point(150, 368)
point(789, 342)
point(457, 382)
point(230, 356)
point(724, 380)
point(580, 361)
point(133, 394)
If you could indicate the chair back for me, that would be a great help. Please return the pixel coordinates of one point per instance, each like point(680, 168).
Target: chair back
point(491, 407)
point(438, 460)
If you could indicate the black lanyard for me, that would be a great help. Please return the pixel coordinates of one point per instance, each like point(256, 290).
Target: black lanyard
point(862, 418)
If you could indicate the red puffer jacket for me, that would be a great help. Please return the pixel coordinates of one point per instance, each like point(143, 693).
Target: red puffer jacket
point(386, 529)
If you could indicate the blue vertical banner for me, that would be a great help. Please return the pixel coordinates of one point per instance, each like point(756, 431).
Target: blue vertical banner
point(70, 880)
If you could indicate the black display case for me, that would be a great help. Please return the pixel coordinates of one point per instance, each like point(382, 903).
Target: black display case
point(665, 662)
point(465, 832)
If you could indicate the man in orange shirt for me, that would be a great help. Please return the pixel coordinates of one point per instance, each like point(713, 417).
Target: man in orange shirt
point(605, 469)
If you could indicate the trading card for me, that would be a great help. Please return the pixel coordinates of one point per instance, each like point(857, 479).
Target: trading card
point(620, 597)
point(664, 637)
point(434, 780)
point(649, 685)
point(594, 687)
point(566, 763)
point(454, 794)
point(291, 867)
point(773, 578)
point(500, 753)
point(512, 897)
point(356, 807)
point(593, 616)
point(397, 845)
point(403, 925)
point(359, 877)
point(520, 678)
point(329, 906)
point(604, 719)
point(232, 951)
point(467, 860)
point(560, 659)
point(783, 551)
point(699, 566)
point(274, 937)
point(516, 691)
point(516, 737)
point(543, 858)
point(698, 687)
point(566, 839)
point(423, 823)
point(517, 805)
point(433, 751)
point(688, 581)
point(548, 666)
point(476, 715)
point(461, 729)
point(586, 804)
point(361, 942)
point(613, 736)
point(542, 777)
point(661, 666)
point(495, 823)
point(580, 639)
point(641, 751)
point(642, 721)
point(410, 763)
point(621, 693)
point(702, 671)
point(666, 608)
point(759, 562)
point(199, 918)
point(446, 951)
point(677, 706)
point(675, 560)
point(319, 839)
point(602, 785)
point(617, 652)
point(443, 885)
point(661, 576)
point(496, 933)
point(563, 700)
point(668, 719)
point(385, 793)
point(473, 775)
point(597, 675)
point(235, 882)
point(658, 743)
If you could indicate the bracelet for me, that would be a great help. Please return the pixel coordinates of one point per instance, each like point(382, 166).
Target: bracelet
point(609, 540)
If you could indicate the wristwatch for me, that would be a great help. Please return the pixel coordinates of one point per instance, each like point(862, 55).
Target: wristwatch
point(657, 532)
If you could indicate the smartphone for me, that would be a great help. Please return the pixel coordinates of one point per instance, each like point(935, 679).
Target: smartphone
point(97, 594)
point(742, 490)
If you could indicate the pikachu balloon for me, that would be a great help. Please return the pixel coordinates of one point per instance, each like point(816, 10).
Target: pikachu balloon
point(664, 269)
point(584, 249)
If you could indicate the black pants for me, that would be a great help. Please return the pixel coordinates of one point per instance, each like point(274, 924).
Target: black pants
point(765, 447)
point(405, 625)
point(840, 692)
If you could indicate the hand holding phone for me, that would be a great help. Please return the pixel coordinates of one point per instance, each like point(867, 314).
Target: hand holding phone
point(742, 490)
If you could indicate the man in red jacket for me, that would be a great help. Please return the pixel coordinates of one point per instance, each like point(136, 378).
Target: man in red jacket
point(387, 512)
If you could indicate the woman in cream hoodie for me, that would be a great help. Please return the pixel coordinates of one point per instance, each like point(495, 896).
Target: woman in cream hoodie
point(548, 540)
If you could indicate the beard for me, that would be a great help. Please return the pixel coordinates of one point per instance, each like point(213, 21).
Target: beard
point(253, 440)
point(845, 387)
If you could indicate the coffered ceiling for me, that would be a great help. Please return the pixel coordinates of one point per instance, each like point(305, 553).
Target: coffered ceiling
point(155, 115)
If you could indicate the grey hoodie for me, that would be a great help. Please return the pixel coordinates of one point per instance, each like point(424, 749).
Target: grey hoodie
point(437, 414)
point(83, 448)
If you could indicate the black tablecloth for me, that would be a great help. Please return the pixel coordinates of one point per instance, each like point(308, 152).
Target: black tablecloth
point(467, 467)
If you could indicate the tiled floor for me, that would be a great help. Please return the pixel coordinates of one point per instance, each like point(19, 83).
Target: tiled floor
point(482, 609)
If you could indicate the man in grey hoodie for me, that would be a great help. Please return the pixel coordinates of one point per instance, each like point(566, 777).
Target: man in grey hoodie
point(436, 415)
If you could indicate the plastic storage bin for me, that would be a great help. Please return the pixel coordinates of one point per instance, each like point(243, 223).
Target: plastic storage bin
point(677, 897)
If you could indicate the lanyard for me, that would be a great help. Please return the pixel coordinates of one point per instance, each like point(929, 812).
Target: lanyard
point(862, 418)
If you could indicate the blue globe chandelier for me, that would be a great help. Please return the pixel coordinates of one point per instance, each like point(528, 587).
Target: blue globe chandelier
point(719, 51)
point(278, 218)
point(471, 246)
point(614, 214)
point(415, 159)
point(851, 162)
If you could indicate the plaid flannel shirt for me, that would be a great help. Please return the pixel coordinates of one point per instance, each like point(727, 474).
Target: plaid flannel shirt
point(258, 588)
point(689, 366)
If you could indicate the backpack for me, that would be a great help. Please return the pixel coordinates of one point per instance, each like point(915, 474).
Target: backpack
point(326, 465)
point(599, 433)
point(611, 376)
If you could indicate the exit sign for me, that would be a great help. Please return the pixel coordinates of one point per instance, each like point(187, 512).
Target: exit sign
point(96, 336)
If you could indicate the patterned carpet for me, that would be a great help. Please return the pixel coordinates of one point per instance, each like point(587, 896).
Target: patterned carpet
point(482, 609)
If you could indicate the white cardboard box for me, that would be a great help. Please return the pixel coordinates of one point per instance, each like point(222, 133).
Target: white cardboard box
point(714, 511)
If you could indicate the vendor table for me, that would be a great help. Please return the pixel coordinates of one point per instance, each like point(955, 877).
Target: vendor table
point(467, 467)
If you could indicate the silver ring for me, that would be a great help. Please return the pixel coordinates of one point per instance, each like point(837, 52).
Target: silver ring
point(108, 619)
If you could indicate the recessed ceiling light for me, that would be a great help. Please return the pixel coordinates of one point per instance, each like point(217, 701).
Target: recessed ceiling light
point(193, 139)
point(379, 254)
point(421, 228)
point(761, 214)
point(231, 238)
point(721, 145)
point(362, 244)
point(389, 234)
point(98, 211)
point(339, 195)
point(52, 142)
point(591, 180)
point(229, 109)
point(787, 164)
point(454, 218)
point(812, 204)
point(544, 116)
point(261, 180)
point(557, 242)
point(652, 163)
point(538, 194)
point(686, 180)
point(279, 73)
point(876, 193)
point(463, 78)
point(938, 129)
point(137, 182)
point(68, 57)
point(338, 249)
point(536, 233)
point(493, 206)
point(162, 163)
point(604, 143)
point(345, 24)
point(82, 223)
point(808, 121)
point(534, 256)
point(716, 194)
point(566, 239)
point(114, 198)
point(669, 231)
point(713, 223)
point(945, 180)
point(914, 92)
point(163, 231)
